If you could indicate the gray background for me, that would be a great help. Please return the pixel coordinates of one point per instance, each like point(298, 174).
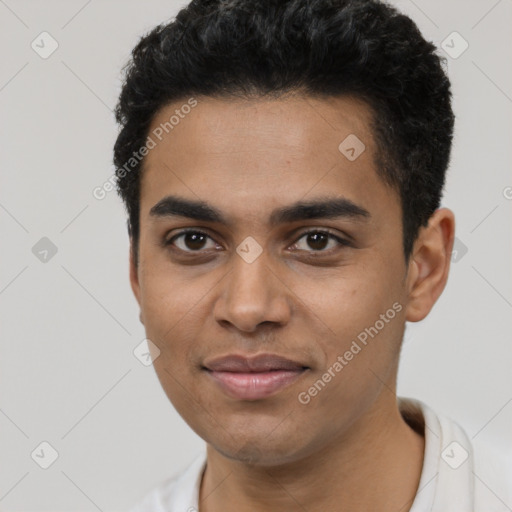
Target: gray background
point(69, 324)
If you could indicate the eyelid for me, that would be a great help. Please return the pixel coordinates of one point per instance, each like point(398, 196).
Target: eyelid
point(335, 234)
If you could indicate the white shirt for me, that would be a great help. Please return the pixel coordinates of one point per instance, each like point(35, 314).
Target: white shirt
point(456, 476)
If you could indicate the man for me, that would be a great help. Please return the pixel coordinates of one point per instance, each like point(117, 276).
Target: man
point(282, 164)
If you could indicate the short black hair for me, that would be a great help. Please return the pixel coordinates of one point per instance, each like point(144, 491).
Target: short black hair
point(321, 48)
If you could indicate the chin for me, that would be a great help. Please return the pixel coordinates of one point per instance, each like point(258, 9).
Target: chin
point(260, 451)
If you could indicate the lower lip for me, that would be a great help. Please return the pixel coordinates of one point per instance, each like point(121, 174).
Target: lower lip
point(254, 386)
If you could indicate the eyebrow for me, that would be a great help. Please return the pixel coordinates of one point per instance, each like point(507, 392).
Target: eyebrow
point(322, 208)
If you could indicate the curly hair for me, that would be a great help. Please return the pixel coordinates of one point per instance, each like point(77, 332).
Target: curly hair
point(322, 48)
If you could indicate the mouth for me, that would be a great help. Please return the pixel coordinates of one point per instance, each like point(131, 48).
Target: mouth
point(254, 378)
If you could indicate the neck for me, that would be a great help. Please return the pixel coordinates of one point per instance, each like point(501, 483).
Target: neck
point(375, 465)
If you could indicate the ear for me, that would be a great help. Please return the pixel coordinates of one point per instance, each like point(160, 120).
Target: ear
point(134, 277)
point(429, 264)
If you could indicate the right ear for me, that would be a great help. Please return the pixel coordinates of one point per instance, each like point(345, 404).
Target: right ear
point(134, 275)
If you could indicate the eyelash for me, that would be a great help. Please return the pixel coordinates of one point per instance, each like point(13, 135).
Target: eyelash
point(342, 242)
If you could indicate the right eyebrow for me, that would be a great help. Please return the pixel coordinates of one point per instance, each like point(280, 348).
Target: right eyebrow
point(173, 206)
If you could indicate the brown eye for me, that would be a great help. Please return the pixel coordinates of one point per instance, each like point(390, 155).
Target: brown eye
point(191, 241)
point(318, 241)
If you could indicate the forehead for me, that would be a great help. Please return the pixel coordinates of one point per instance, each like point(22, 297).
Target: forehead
point(289, 124)
point(247, 154)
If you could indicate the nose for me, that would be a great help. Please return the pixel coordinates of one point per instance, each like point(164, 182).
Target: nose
point(253, 294)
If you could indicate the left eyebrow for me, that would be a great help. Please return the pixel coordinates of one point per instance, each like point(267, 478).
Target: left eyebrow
point(327, 208)
point(321, 208)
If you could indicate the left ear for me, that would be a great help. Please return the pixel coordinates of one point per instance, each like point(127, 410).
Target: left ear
point(429, 264)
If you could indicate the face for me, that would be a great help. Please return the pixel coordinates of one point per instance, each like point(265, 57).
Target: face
point(271, 274)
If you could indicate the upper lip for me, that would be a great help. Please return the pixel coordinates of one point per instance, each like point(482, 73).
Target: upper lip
point(248, 364)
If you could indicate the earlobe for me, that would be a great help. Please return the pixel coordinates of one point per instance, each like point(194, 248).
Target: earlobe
point(430, 264)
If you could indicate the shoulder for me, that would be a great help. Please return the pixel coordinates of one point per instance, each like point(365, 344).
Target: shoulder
point(462, 473)
point(492, 477)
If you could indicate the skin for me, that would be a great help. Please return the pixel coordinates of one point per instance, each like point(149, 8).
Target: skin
point(349, 445)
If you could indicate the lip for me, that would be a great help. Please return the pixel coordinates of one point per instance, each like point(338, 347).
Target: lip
point(255, 377)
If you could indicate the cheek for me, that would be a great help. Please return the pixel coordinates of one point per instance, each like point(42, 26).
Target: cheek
point(169, 323)
point(168, 298)
point(350, 301)
point(172, 322)
point(361, 318)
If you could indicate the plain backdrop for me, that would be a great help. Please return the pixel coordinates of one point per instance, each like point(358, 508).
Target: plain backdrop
point(69, 325)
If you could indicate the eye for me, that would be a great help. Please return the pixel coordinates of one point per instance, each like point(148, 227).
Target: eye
point(195, 241)
point(318, 241)
point(191, 241)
